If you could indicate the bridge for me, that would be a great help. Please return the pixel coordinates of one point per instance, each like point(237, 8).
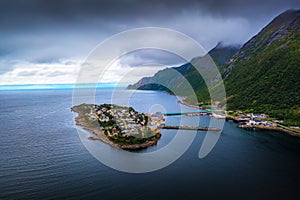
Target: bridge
point(187, 113)
point(197, 128)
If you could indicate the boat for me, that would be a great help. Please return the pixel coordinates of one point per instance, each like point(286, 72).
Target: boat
point(218, 116)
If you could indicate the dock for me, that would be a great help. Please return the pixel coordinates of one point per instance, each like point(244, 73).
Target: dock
point(187, 113)
point(197, 128)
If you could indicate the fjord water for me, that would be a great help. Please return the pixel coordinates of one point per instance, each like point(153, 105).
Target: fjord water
point(42, 156)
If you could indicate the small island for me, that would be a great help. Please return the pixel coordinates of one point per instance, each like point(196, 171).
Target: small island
point(119, 126)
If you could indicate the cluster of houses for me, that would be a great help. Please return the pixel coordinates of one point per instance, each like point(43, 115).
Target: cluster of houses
point(251, 119)
point(156, 120)
point(125, 121)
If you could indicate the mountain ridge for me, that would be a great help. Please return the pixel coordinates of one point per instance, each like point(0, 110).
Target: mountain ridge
point(171, 79)
point(262, 76)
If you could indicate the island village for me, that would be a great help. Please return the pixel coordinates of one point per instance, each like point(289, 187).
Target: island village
point(119, 122)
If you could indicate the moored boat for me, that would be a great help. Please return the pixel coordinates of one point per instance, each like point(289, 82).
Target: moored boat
point(218, 116)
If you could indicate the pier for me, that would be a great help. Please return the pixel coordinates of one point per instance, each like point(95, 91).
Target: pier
point(197, 128)
point(187, 113)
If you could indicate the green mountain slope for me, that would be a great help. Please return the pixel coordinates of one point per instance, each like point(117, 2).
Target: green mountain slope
point(179, 79)
point(265, 74)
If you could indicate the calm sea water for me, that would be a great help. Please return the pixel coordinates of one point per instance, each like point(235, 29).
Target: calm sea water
point(42, 156)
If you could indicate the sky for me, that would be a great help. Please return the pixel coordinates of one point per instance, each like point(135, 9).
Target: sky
point(47, 41)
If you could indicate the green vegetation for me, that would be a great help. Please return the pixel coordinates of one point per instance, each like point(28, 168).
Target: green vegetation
point(266, 78)
point(85, 108)
point(185, 80)
point(125, 140)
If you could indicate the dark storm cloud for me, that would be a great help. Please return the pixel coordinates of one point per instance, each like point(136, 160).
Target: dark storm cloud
point(151, 57)
point(47, 31)
point(21, 14)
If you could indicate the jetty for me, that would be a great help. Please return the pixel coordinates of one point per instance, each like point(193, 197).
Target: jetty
point(187, 113)
point(197, 128)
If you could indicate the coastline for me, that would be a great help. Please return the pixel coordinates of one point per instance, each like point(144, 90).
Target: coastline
point(181, 101)
point(98, 134)
point(277, 129)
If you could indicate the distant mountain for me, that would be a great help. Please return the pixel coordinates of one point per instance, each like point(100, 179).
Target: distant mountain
point(221, 54)
point(179, 78)
point(264, 75)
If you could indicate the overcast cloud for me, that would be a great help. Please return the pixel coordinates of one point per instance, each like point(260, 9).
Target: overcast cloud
point(45, 41)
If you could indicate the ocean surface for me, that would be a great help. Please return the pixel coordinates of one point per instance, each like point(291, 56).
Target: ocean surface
point(42, 156)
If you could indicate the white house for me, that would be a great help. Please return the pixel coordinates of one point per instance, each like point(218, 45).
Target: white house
point(257, 122)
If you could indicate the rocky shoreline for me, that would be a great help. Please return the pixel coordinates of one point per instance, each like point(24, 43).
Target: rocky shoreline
point(277, 129)
point(82, 120)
